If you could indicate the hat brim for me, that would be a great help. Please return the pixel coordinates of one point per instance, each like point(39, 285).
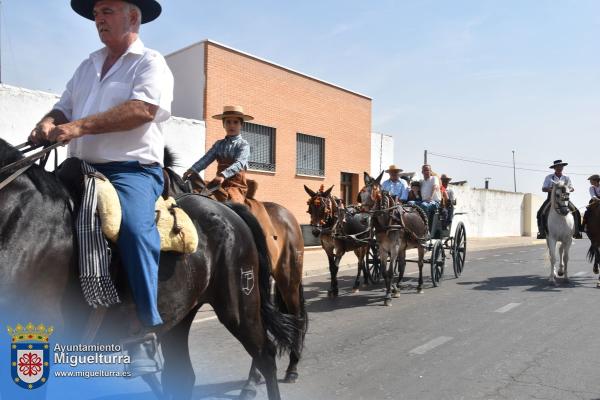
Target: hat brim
point(387, 171)
point(446, 179)
point(234, 115)
point(594, 178)
point(151, 9)
point(559, 165)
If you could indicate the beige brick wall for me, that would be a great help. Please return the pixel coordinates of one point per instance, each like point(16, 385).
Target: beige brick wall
point(290, 103)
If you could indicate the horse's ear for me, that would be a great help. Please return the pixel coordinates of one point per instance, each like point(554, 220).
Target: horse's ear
point(368, 179)
point(378, 179)
point(310, 192)
point(328, 191)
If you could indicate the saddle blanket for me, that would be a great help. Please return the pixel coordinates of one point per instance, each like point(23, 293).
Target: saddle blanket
point(176, 229)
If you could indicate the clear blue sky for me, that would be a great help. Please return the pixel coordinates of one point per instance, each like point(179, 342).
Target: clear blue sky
point(475, 79)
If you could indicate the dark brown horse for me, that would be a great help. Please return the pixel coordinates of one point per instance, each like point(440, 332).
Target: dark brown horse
point(340, 230)
point(397, 229)
point(593, 232)
point(287, 264)
point(38, 256)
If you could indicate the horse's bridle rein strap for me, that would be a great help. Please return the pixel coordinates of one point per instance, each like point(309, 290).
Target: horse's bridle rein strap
point(20, 166)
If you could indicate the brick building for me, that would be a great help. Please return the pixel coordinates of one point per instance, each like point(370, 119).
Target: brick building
point(305, 131)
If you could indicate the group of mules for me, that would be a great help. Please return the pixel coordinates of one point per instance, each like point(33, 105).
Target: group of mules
point(561, 225)
point(376, 219)
point(39, 278)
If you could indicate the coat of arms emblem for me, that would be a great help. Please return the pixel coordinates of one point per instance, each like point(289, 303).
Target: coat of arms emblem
point(30, 355)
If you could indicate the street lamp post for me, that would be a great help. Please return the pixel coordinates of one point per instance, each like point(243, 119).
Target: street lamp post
point(514, 172)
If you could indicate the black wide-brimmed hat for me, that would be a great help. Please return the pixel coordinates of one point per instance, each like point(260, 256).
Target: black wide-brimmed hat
point(558, 163)
point(594, 177)
point(150, 8)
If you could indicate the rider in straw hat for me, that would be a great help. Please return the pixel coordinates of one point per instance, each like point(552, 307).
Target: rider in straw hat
point(396, 187)
point(558, 167)
point(594, 196)
point(231, 154)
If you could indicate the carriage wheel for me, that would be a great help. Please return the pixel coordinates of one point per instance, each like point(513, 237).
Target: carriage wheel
point(373, 264)
point(459, 249)
point(437, 262)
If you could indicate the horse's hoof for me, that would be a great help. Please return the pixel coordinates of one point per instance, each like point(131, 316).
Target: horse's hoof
point(332, 293)
point(560, 273)
point(291, 377)
point(395, 295)
point(355, 290)
point(596, 269)
point(387, 303)
point(598, 285)
point(247, 394)
point(420, 290)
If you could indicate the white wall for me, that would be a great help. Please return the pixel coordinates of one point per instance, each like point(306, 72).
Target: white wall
point(21, 109)
point(382, 153)
point(493, 213)
point(187, 66)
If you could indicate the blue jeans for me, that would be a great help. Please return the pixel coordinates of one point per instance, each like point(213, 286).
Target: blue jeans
point(138, 188)
point(429, 207)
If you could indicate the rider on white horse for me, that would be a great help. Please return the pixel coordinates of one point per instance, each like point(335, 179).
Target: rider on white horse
point(542, 214)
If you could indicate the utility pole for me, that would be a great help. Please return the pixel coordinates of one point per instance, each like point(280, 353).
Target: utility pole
point(425, 157)
point(514, 172)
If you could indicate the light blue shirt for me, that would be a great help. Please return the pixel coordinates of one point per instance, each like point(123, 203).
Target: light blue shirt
point(399, 188)
point(232, 147)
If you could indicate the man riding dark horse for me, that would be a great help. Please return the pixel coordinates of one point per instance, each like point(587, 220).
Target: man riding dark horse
point(542, 213)
point(110, 114)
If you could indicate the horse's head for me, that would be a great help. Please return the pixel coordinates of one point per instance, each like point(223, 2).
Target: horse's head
point(370, 194)
point(320, 208)
point(560, 197)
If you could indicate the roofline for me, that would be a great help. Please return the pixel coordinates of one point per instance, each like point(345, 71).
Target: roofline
point(209, 41)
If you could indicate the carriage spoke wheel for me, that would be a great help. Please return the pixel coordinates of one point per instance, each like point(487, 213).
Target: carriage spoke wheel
point(373, 264)
point(459, 249)
point(438, 260)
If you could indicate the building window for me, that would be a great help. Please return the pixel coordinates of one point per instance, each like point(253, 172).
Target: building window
point(310, 155)
point(262, 146)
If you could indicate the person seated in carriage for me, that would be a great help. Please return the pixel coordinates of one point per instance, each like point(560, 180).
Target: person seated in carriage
point(542, 213)
point(447, 203)
point(595, 197)
point(414, 195)
point(231, 154)
point(396, 187)
point(430, 192)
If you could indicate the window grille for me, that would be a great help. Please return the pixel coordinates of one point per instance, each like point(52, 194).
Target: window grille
point(310, 155)
point(262, 146)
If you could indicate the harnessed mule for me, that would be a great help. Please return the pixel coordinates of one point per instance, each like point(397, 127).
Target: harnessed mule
point(397, 229)
point(340, 230)
point(561, 226)
point(37, 225)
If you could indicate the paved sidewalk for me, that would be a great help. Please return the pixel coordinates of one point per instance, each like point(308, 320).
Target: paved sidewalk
point(315, 260)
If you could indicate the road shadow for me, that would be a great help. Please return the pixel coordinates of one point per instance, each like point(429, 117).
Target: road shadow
point(533, 283)
point(370, 295)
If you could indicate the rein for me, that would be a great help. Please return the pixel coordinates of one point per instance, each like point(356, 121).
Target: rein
point(20, 166)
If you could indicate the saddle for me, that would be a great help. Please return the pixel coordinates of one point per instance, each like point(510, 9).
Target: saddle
point(176, 229)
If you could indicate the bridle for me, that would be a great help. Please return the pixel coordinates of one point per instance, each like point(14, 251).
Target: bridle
point(325, 211)
point(19, 167)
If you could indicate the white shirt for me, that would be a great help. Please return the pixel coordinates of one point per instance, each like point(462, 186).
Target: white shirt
point(548, 182)
point(595, 192)
point(139, 74)
point(427, 189)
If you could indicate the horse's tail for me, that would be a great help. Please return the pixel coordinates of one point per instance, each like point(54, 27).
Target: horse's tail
point(593, 255)
point(283, 327)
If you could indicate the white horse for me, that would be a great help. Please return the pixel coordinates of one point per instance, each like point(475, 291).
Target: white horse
point(561, 226)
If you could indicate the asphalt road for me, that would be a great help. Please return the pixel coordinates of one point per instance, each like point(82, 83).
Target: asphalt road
point(498, 332)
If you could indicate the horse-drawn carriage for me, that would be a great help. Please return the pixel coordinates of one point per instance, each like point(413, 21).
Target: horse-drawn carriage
point(440, 241)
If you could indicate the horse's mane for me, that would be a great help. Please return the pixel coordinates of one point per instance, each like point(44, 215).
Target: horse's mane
point(8, 153)
point(46, 182)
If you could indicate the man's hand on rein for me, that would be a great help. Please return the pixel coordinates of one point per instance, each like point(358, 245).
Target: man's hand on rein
point(65, 133)
point(41, 132)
